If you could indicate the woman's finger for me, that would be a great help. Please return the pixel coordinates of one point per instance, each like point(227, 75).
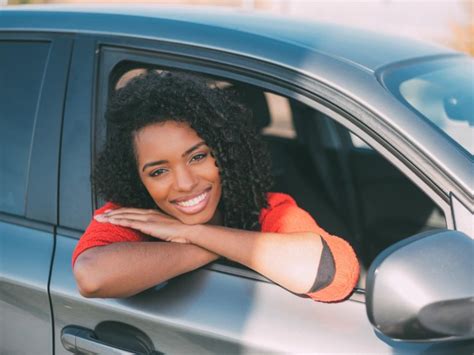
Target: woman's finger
point(124, 215)
point(132, 215)
point(127, 210)
point(144, 227)
point(135, 211)
point(130, 223)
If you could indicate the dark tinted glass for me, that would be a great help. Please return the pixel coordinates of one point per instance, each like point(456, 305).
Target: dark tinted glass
point(22, 66)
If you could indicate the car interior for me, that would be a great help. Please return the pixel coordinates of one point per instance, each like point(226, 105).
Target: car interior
point(352, 192)
point(350, 189)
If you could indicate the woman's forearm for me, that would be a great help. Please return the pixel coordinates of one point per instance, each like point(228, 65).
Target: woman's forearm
point(124, 269)
point(291, 260)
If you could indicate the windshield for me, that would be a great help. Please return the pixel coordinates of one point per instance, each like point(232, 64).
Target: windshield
point(441, 91)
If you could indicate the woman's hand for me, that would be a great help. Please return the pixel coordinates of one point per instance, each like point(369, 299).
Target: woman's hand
point(151, 222)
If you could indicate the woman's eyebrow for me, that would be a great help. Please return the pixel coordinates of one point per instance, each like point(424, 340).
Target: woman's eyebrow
point(158, 162)
point(194, 147)
point(153, 163)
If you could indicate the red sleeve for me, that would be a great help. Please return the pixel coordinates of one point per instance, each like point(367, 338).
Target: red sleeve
point(284, 216)
point(99, 234)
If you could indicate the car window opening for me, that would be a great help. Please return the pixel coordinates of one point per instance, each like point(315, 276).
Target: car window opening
point(351, 192)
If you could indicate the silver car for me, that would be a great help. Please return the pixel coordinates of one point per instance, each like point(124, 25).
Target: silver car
point(371, 134)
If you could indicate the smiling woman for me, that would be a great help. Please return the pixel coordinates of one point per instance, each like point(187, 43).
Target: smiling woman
point(183, 164)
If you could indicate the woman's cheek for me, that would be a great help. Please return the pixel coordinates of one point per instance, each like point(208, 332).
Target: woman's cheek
point(212, 170)
point(158, 190)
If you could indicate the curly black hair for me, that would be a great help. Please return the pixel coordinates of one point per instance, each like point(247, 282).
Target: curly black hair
point(218, 118)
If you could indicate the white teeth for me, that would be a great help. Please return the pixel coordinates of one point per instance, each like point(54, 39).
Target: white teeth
point(193, 201)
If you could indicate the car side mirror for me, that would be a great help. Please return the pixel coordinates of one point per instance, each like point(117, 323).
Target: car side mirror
point(422, 288)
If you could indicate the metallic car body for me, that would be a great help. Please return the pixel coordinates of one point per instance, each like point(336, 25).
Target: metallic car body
point(219, 309)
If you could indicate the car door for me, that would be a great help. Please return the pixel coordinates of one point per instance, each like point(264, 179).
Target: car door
point(31, 107)
point(218, 309)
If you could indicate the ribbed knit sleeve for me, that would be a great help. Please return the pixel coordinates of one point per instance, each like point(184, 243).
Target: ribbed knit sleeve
point(100, 234)
point(284, 216)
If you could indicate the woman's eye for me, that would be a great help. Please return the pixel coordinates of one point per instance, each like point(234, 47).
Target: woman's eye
point(157, 172)
point(199, 156)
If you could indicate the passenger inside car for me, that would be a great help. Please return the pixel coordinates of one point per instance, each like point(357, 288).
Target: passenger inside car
point(183, 164)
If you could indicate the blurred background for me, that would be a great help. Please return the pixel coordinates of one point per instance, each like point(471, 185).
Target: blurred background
point(446, 22)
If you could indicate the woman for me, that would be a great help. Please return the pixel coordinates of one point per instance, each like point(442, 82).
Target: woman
point(182, 164)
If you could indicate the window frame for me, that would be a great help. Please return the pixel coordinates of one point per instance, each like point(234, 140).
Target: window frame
point(75, 194)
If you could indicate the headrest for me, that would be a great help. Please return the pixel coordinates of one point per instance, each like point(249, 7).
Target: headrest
point(254, 99)
point(302, 121)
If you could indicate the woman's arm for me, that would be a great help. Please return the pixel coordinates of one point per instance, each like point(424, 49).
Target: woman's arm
point(124, 269)
point(289, 259)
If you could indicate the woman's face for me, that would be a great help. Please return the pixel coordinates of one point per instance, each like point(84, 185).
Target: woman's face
point(177, 169)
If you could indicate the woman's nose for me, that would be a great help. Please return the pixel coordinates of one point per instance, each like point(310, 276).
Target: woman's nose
point(185, 179)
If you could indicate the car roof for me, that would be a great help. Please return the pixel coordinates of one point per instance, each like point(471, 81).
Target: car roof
point(362, 48)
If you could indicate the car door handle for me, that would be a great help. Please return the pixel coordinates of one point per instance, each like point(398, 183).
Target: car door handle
point(81, 340)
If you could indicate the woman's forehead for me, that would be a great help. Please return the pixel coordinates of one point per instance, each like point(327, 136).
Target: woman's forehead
point(165, 138)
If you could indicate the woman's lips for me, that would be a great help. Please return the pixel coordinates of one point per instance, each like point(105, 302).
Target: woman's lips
point(194, 204)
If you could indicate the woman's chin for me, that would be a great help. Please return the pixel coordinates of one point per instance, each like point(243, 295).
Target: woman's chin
point(200, 218)
point(196, 219)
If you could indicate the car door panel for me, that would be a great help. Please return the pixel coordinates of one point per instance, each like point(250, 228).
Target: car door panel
point(168, 331)
point(207, 311)
point(25, 256)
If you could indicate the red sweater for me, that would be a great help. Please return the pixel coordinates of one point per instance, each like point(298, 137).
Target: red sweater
point(282, 216)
